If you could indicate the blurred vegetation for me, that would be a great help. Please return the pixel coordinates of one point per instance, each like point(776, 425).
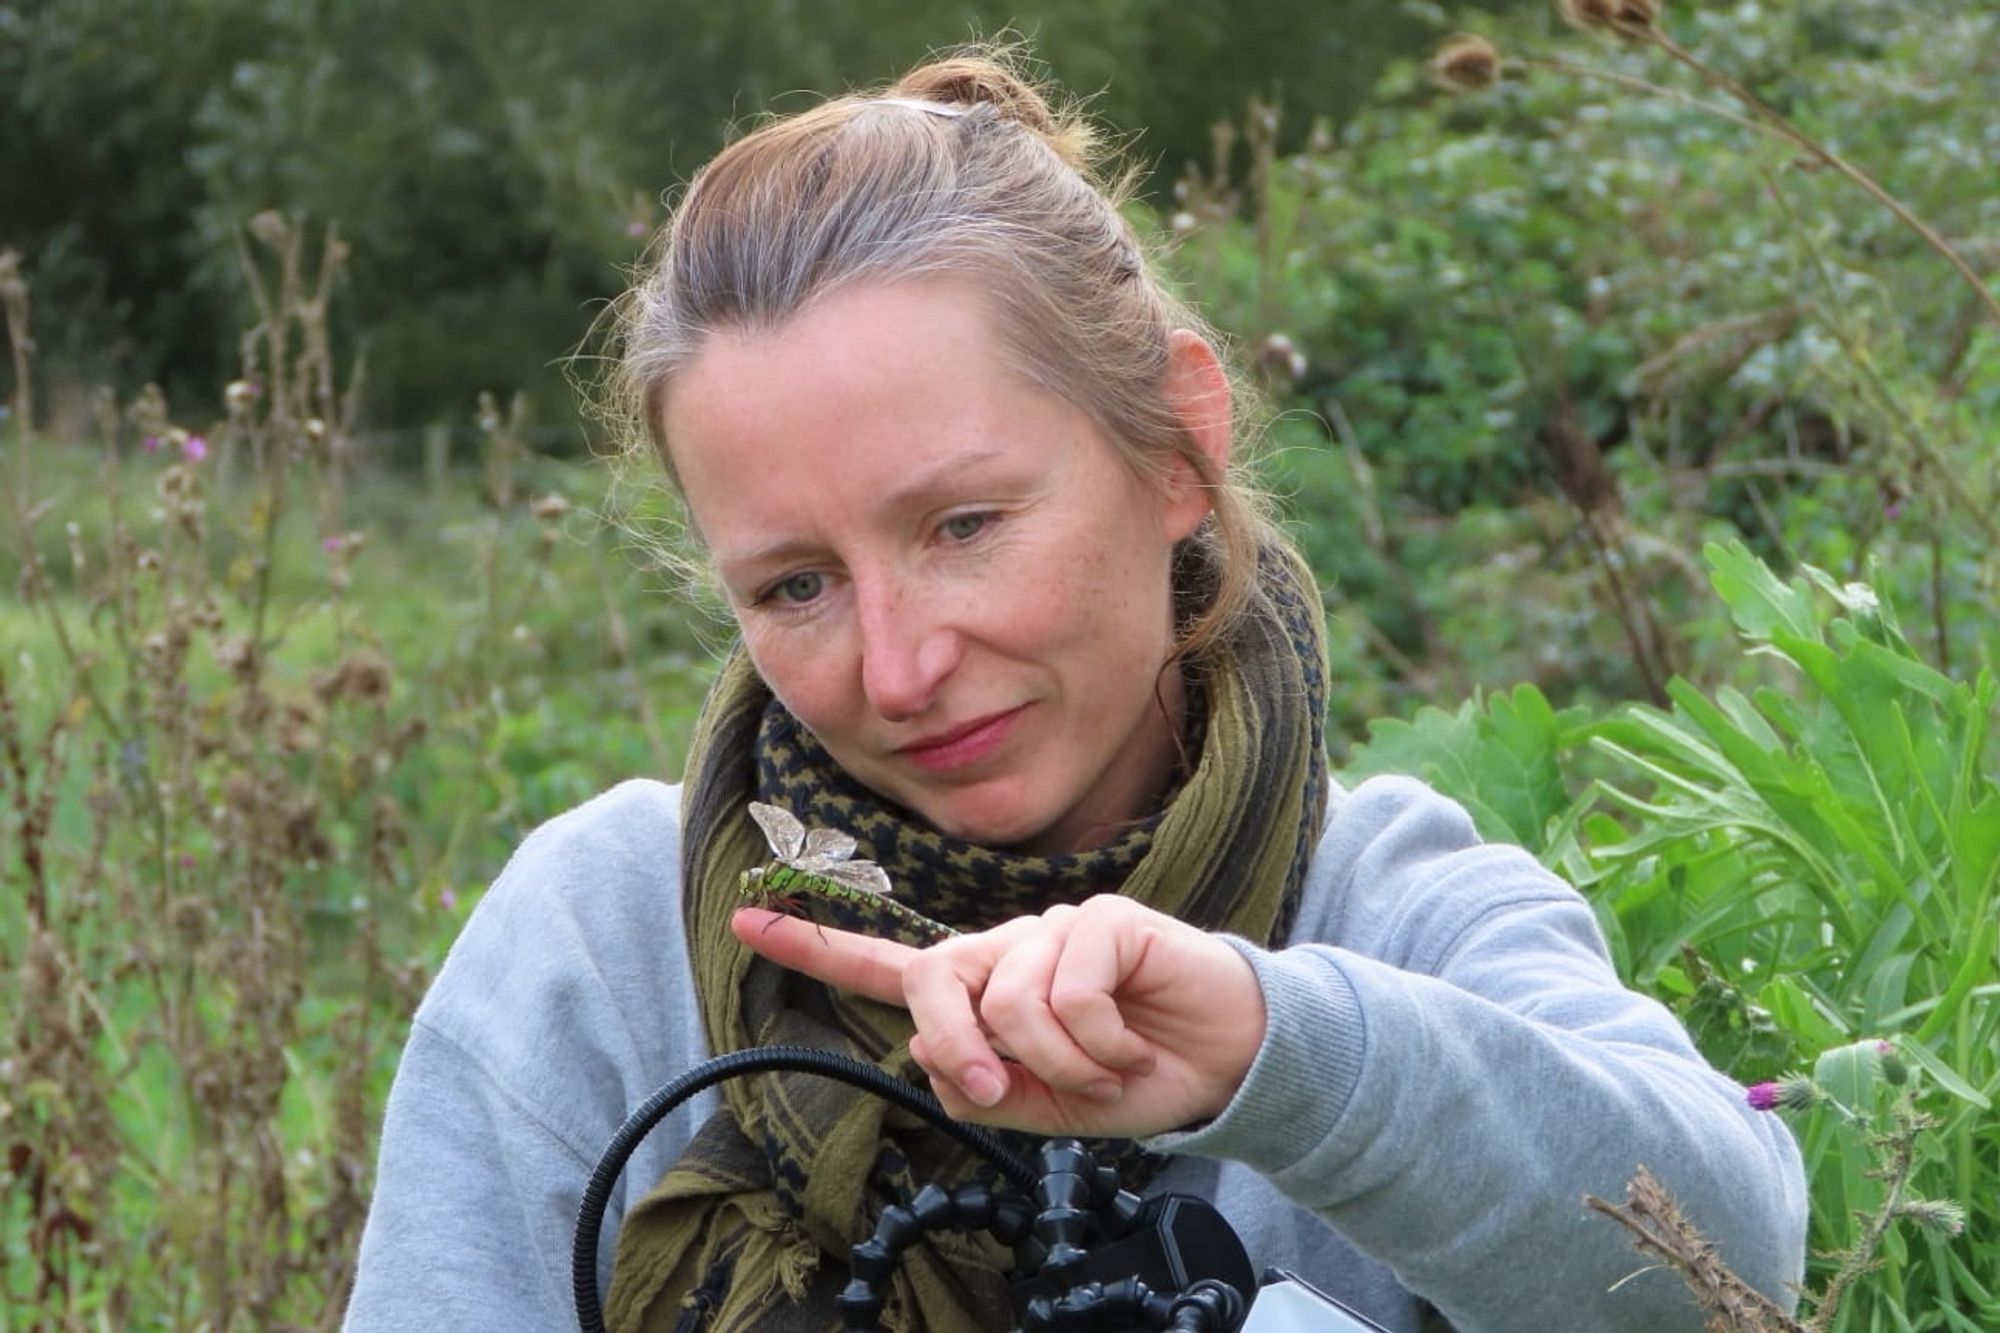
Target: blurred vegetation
point(498, 162)
point(1574, 380)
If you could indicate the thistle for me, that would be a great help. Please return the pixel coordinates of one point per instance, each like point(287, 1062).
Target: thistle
point(1627, 20)
point(1466, 63)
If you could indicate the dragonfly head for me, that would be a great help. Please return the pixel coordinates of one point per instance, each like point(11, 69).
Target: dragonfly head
point(753, 877)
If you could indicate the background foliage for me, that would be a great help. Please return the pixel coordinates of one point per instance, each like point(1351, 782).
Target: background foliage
point(1649, 470)
point(498, 161)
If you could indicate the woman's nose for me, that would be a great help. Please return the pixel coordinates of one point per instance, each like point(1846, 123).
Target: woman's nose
point(908, 645)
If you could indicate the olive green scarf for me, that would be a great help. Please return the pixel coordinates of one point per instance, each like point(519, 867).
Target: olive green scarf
point(750, 1229)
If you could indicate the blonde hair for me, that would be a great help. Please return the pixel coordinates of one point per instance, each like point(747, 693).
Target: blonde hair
point(962, 167)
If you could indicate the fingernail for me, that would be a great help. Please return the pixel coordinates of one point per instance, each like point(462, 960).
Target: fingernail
point(983, 1086)
point(1106, 1090)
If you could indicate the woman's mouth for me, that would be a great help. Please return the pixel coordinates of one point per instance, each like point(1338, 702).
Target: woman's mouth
point(962, 746)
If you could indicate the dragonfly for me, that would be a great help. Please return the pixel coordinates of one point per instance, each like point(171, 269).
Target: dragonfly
point(820, 863)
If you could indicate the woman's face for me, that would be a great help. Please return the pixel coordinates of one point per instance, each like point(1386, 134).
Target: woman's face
point(946, 573)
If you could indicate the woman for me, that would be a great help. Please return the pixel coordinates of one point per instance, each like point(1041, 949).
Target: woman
point(963, 468)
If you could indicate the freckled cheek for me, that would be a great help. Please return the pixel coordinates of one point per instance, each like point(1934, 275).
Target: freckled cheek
point(810, 682)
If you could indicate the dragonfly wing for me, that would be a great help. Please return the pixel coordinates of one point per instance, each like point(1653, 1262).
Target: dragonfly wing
point(828, 845)
point(782, 830)
point(865, 876)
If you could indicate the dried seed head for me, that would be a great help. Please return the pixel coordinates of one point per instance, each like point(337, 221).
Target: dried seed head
point(1631, 20)
point(239, 395)
point(270, 227)
point(1940, 1217)
point(550, 507)
point(1280, 358)
point(1466, 63)
point(295, 728)
point(187, 915)
point(238, 656)
point(365, 676)
point(303, 839)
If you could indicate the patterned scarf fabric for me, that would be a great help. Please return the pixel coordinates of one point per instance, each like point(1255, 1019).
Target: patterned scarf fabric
point(750, 1229)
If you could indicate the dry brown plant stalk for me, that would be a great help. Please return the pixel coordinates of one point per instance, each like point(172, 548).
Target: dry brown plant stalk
point(156, 952)
point(1661, 1231)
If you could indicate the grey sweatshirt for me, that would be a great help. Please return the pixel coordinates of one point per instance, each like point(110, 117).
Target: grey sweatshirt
point(1450, 1065)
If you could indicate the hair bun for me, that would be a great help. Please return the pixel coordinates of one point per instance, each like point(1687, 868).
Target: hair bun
point(987, 77)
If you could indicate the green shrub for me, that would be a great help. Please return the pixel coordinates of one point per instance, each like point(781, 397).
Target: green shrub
point(1805, 871)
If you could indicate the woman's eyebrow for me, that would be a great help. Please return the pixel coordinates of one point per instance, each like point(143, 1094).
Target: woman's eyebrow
point(939, 474)
point(927, 481)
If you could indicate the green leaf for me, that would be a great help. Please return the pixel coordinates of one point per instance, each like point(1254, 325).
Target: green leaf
point(1758, 600)
point(1851, 1074)
point(1945, 1076)
point(1497, 756)
point(1796, 1012)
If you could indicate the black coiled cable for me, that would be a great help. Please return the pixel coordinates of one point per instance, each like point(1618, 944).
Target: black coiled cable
point(597, 1194)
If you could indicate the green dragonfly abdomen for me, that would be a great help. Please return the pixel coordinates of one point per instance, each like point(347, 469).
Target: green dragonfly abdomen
point(850, 908)
point(786, 880)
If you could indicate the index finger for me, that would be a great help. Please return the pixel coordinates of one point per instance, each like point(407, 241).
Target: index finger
point(861, 964)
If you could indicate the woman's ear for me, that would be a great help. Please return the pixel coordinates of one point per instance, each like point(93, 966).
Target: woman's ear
point(1197, 389)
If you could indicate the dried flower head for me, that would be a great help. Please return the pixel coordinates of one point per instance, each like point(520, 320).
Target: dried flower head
point(1280, 358)
point(550, 507)
point(240, 394)
point(238, 656)
point(1466, 63)
point(270, 227)
point(1940, 1217)
point(1631, 20)
point(364, 676)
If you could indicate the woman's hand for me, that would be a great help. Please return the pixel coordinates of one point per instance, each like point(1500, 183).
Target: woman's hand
point(1107, 1018)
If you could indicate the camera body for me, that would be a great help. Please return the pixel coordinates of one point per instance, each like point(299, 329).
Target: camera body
point(1173, 1243)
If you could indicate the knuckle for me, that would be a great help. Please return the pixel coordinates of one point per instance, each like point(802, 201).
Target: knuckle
point(1077, 1004)
point(1004, 1006)
point(1107, 906)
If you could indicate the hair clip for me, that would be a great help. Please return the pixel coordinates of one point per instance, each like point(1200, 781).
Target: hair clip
point(918, 104)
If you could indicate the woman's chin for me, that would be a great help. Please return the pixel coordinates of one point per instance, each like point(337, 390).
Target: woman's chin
point(987, 823)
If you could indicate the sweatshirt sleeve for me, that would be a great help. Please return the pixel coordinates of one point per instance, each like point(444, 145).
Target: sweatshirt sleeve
point(1452, 1064)
point(470, 1224)
point(562, 1005)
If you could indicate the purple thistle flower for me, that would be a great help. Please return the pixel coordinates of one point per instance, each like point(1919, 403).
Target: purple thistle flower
point(332, 545)
point(1795, 1092)
point(636, 227)
point(151, 444)
point(195, 449)
point(448, 899)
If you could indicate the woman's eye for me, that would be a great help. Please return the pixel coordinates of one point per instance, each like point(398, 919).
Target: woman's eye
point(798, 589)
point(964, 527)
